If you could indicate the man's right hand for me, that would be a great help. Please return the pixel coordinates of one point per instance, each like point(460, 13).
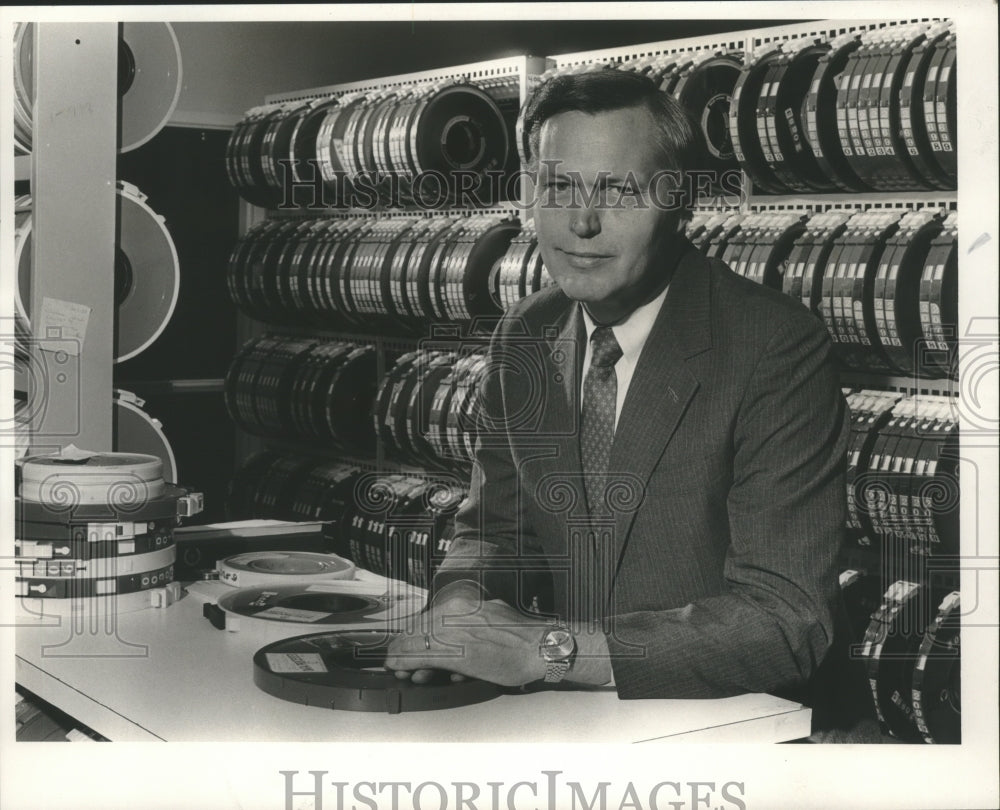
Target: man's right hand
point(469, 635)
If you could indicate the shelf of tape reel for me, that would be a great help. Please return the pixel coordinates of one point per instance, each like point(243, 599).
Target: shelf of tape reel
point(149, 81)
point(884, 281)
point(902, 475)
point(371, 145)
point(393, 524)
point(370, 272)
point(147, 273)
point(869, 110)
point(305, 388)
point(302, 389)
point(911, 652)
point(701, 80)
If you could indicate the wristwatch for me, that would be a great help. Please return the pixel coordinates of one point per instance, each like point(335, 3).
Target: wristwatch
point(558, 649)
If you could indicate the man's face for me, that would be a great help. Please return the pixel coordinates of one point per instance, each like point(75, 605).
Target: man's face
point(607, 253)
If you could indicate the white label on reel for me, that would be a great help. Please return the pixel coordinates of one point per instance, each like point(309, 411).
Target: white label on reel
point(286, 614)
point(283, 663)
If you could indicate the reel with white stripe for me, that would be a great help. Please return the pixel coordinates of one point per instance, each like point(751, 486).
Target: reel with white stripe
point(273, 568)
point(149, 81)
point(135, 431)
point(75, 477)
point(147, 271)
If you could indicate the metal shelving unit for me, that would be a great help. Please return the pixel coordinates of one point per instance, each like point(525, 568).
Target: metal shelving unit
point(522, 69)
point(527, 70)
point(73, 233)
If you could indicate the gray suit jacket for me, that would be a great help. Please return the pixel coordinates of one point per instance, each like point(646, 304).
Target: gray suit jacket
point(716, 571)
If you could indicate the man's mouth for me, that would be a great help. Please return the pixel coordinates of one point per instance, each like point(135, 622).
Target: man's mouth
point(584, 258)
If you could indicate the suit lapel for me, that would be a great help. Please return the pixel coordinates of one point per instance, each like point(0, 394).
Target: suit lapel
point(561, 416)
point(662, 385)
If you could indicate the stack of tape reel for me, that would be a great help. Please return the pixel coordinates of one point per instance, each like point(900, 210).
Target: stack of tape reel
point(425, 408)
point(398, 272)
point(865, 111)
point(273, 596)
point(911, 650)
point(264, 595)
point(149, 81)
point(91, 525)
point(885, 282)
point(701, 80)
point(305, 388)
point(903, 489)
point(391, 135)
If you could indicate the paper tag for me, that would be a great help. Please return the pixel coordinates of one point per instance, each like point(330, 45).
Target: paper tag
point(341, 585)
point(285, 614)
point(283, 663)
point(63, 326)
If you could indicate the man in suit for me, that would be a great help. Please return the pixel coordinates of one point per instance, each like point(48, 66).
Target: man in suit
point(664, 438)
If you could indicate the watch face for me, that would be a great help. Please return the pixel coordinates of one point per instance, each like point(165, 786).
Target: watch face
point(556, 638)
point(558, 643)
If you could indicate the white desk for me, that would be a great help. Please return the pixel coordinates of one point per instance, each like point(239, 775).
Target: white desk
point(190, 682)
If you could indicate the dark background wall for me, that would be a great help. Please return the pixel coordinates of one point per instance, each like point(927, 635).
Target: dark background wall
point(182, 172)
point(230, 66)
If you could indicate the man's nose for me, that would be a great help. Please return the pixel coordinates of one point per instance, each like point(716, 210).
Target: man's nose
point(585, 221)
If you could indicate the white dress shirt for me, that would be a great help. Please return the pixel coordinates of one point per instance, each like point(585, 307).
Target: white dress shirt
point(631, 335)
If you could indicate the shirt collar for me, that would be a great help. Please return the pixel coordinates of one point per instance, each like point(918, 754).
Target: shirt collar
point(631, 333)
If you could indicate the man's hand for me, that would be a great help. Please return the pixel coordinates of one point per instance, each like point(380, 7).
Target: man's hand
point(489, 640)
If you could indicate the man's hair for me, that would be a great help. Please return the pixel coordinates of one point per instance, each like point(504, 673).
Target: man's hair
point(607, 90)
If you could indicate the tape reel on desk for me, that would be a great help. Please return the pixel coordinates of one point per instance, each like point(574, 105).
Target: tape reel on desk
point(264, 614)
point(345, 670)
point(273, 568)
point(71, 481)
point(149, 81)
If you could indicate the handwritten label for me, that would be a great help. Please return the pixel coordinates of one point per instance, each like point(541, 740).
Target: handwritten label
point(63, 326)
point(295, 662)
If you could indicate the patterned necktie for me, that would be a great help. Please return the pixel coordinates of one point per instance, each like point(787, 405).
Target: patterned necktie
point(597, 430)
